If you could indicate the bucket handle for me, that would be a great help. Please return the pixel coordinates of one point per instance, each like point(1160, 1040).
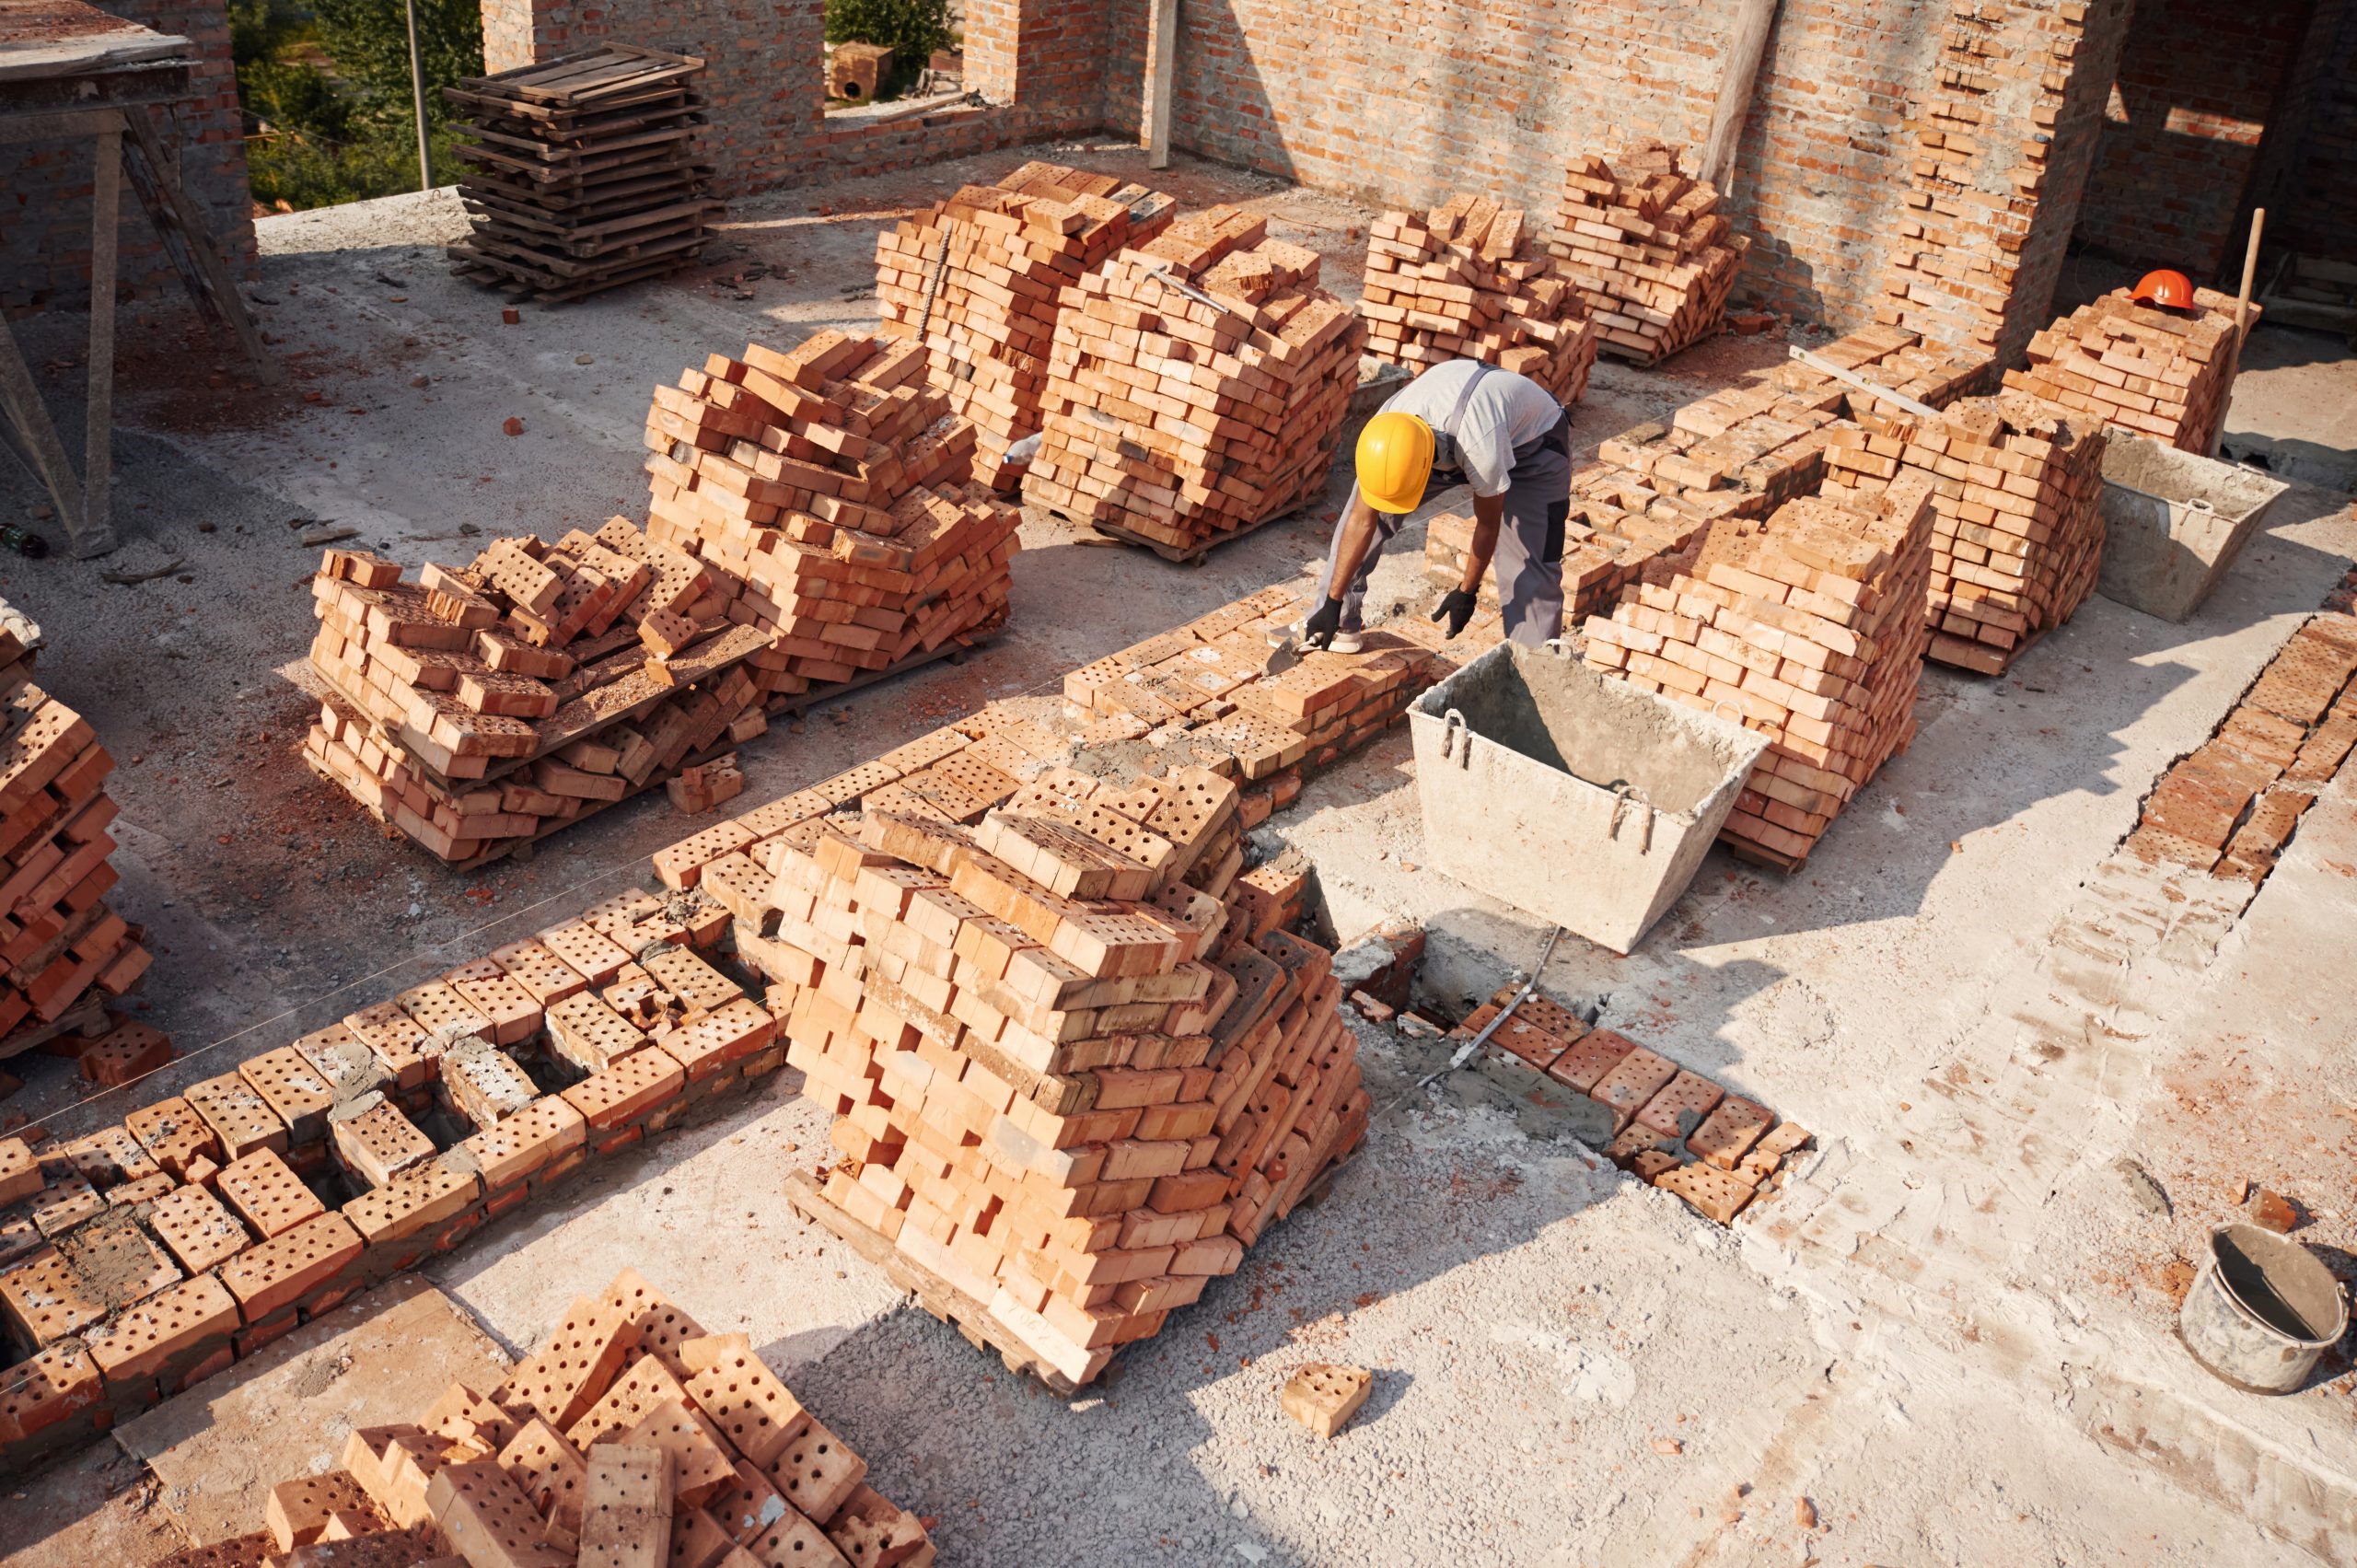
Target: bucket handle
point(1451, 726)
point(1621, 799)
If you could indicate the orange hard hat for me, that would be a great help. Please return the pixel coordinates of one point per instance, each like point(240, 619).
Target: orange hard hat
point(2166, 288)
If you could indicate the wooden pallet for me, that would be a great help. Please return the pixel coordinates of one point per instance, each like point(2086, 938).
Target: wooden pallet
point(88, 1018)
point(797, 704)
point(1172, 553)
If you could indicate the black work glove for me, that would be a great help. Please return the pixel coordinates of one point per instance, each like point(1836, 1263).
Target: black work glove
point(1323, 622)
point(1456, 609)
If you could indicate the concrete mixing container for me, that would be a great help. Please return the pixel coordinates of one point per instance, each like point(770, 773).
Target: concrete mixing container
point(2173, 523)
point(1571, 795)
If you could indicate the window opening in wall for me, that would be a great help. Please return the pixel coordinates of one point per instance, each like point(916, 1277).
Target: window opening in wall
point(902, 53)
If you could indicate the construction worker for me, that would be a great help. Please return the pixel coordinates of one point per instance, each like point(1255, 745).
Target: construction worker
point(1510, 441)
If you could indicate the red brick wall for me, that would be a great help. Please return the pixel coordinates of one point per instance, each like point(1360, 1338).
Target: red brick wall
point(2199, 85)
point(45, 186)
point(2317, 210)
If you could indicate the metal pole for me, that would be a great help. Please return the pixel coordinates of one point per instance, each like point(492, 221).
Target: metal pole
point(417, 101)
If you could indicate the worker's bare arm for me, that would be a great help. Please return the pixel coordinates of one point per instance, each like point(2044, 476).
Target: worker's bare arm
point(1489, 512)
point(1358, 537)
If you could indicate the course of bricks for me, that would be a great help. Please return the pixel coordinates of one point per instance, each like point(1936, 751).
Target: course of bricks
point(142, 1258)
point(2230, 807)
point(1652, 259)
point(978, 280)
point(2145, 368)
point(1672, 1128)
point(1466, 281)
point(631, 1437)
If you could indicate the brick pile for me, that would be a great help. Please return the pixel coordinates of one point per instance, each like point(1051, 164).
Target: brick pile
point(631, 1438)
point(1198, 388)
point(61, 947)
point(2230, 807)
point(482, 707)
point(2139, 367)
point(1809, 627)
point(1650, 255)
point(1464, 282)
point(1898, 360)
point(2017, 527)
point(1077, 1072)
point(980, 279)
point(1672, 1128)
point(830, 490)
point(145, 1256)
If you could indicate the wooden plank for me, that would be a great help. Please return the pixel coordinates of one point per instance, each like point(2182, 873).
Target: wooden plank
point(94, 41)
point(1162, 75)
point(1745, 44)
point(36, 437)
point(93, 531)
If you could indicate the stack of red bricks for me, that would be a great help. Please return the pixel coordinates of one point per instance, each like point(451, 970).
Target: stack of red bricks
point(1673, 1128)
point(2161, 373)
point(1463, 282)
point(1198, 388)
point(1808, 627)
point(2231, 806)
point(59, 942)
point(2017, 528)
point(485, 706)
point(978, 280)
point(1648, 250)
point(139, 1259)
point(1078, 1069)
point(632, 1437)
point(830, 490)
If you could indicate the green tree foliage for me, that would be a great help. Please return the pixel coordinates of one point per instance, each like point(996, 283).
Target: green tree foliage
point(912, 30)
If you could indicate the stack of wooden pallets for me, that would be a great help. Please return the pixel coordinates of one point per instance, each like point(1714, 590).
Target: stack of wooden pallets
point(1809, 627)
point(1647, 249)
point(980, 281)
point(2163, 373)
point(632, 1437)
point(2017, 528)
point(1198, 388)
point(1463, 282)
point(580, 172)
point(829, 489)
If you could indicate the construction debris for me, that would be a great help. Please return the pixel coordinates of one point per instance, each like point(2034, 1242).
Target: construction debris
point(1465, 283)
point(2017, 525)
point(580, 172)
point(1323, 1396)
point(485, 706)
point(2139, 367)
point(828, 489)
point(1198, 388)
point(980, 279)
point(1650, 255)
point(1808, 627)
point(632, 1436)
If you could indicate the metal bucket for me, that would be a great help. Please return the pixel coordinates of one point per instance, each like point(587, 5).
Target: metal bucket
point(2173, 523)
point(1571, 795)
point(2262, 1310)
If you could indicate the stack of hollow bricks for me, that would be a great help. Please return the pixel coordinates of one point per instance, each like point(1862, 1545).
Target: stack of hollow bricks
point(830, 489)
point(1198, 388)
point(979, 280)
point(1650, 255)
point(632, 1437)
point(2230, 807)
point(1809, 628)
point(1641, 511)
point(2143, 368)
point(1673, 1128)
point(2017, 529)
point(481, 707)
point(1461, 283)
point(58, 940)
point(1078, 1071)
point(149, 1254)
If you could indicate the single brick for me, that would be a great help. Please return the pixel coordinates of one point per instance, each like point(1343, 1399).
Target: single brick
point(238, 1116)
point(281, 1270)
point(1585, 1062)
point(36, 1394)
point(1323, 1396)
point(1714, 1193)
point(266, 1194)
point(201, 1234)
point(645, 1385)
point(173, 1131)
point(413, 1202)
point(550, 1472)
point(817, 1470)
point(706, 1044)
point(573, 1367)
point(585, 1031)
point(540, 972)
point(139, 1342)
point(1728, 1132)
point(1678, 1107)
point(378, 1143)
point(639, 1082)
point(297, 1510)
point(1640, 1076)
point(526, 1140)
point(514, 1011)
point(296, 1092)
point(488, 1520)
point(742, 1396)
point(664, 1327)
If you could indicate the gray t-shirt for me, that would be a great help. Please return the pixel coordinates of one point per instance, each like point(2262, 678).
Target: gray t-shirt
point(1505, 411)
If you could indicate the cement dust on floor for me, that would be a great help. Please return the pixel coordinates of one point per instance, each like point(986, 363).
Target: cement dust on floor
point(1543, 1332)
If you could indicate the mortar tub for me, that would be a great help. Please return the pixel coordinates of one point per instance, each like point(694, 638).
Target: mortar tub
point(1568, 794)
point(2262, 1310)
point(2173, 523)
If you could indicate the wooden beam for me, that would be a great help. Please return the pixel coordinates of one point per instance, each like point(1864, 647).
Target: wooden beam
point(36, 436)
point(1746, 45)
point(2242, 322)
point(93, 531)
point(1161, 81)
point(189, 242)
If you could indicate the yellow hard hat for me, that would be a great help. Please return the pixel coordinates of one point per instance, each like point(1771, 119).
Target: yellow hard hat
point(1395, 462)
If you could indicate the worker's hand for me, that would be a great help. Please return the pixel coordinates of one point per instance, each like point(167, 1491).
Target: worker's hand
point(1456, 609)
point(1323, 622)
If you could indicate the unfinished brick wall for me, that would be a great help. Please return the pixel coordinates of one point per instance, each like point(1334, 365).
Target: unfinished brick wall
point(45, 215)
point(1400, 104)
point(2201, 84)
point(2320, 213)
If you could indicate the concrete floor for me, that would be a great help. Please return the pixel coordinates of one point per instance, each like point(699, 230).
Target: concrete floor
point(1952, 1338)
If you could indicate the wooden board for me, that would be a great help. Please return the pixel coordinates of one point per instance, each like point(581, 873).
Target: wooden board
point(42, 39)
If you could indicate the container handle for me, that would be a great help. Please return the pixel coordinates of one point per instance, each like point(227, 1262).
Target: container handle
point(1452, 726)
point(1621, 799)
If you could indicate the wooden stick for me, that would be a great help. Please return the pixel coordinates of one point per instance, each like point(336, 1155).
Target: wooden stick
point(93, 531)
point(1163, 69)
point(2242, 326)
point(1745, 44)
point(1818, 362)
